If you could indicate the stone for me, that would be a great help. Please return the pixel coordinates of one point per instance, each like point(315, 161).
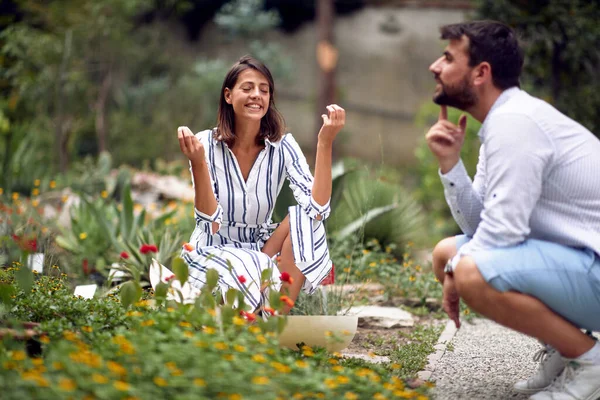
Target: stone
point(383, 317)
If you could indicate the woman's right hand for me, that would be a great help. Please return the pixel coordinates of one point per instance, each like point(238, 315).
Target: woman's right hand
point(190, 145)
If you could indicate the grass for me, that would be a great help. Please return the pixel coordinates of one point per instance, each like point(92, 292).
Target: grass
point(412, 356)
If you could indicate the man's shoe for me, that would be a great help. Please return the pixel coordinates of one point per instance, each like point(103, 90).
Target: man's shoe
point(580, 380)
point(551, 365)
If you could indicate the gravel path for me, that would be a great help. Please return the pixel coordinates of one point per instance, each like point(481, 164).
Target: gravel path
point(486, 361)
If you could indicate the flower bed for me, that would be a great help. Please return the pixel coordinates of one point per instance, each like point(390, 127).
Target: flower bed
point(99, 349)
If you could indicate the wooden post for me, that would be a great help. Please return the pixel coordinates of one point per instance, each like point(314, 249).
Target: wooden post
point(327, 56)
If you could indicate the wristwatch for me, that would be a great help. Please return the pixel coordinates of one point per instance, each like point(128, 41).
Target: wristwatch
point(448, 268)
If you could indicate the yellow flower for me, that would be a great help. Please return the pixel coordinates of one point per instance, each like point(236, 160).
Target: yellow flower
point(99, 378)
point(148, 322)
point(330, 383)
point(52, 184)
point(396, 366)
point(239, 348)
point(259, 358)
point(158, 381)
point(378, 396)
point(9, 365)
point(365, 251)
point(301, 364)
point(170, 309)
point(185, 324)
point(188, 334)
point(66, 384)
point(228, 357)
point(261, 339)
point(284, 369)
point(87, 329)
point(333, 361)
point(57, 365)
point(467, 312)
point(235, 396)
point(343, 379)
point(64, 198)
point(212, 312)
point(137, 207)
point(83, 236)
point(260, 380)
point(337, 368)
point(15, 196)
point(239, 321)
point(18, 355)
point(307, 351)
point(209, 330)
point(133, 314)
point(347, 269)
point(221, 346)
point(120, 385)
point(35, 192)
point(37, 361)
point(116, 368)
point(104, 194)
point(412, 278)
point(350, 396)
point(1, 191)
point(200, 343)
point(199, 382)
point(35, 202)
point(373, 264)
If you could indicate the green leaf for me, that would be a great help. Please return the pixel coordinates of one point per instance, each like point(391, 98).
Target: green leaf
point(67, 244)
point(231, 295)
point(127, 214)
point(130, 293)
point(6, 293)
point(281, 322)
point(181, 270)
point(160, 292)
point(368, 216)
point(212, 278)
point(24, 278)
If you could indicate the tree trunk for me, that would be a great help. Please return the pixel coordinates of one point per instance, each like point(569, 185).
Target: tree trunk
point(326, 58)
point(100, 108)
point(60, 138)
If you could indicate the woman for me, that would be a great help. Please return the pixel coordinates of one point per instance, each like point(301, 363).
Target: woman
point(238, 169)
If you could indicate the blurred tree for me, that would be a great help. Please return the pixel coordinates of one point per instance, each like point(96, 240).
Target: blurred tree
point(562, 51)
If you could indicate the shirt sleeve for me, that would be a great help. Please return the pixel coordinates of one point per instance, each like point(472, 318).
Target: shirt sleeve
point(517, 153)
point(465, 198)
point(204, 220)
point(301, 180)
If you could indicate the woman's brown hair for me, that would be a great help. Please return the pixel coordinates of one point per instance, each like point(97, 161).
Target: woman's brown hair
point(272, 125)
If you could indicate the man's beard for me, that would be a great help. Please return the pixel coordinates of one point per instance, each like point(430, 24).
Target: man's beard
point(461, 96)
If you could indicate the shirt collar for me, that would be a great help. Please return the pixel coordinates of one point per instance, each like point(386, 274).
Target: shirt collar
point(503, 98)
point(273, 144)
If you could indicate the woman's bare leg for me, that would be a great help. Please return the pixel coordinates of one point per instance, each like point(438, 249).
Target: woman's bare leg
point(280, 242)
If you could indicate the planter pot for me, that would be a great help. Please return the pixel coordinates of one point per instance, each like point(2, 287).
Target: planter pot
point(333, 332)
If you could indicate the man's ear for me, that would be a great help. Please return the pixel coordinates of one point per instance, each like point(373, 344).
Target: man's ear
point(227, 95)
point(482, 73)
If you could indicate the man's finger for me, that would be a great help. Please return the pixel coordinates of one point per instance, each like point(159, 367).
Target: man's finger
point(462, 122)
point(443, 113)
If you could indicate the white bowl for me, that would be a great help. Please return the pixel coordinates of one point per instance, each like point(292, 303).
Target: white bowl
point(333, 332)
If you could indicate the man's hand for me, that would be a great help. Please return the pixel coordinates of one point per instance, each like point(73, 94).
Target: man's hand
point(446, 139)
point(451, 300)
point(190, 145)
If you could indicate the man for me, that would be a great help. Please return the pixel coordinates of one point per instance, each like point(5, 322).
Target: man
point(529, 258)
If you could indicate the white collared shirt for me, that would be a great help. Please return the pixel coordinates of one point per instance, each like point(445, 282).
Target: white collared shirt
point(538, 177)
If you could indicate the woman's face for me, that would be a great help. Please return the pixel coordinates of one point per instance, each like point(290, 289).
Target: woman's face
point(250, 96)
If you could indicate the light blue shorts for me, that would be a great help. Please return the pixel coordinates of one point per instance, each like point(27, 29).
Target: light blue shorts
point(564, 278)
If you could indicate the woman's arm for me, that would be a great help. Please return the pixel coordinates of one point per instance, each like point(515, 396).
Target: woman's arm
point(332, 124)
point(205, 201)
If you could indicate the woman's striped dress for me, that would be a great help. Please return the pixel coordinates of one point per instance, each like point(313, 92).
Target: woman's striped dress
point(244, 213)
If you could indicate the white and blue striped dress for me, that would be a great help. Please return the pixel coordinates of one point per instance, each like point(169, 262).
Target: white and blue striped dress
point(244, 215)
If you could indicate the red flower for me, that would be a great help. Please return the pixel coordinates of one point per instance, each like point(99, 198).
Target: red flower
point(188, 247)
point(124, 255)
point(86, 267)
point(242, 279)
point(285, 277)
point(169, 278)
point(269, 310)
point(148, 248)
point(29, 245)
point(250, 317)
point(287, 300)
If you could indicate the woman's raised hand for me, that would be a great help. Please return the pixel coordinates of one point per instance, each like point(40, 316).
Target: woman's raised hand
point(190, 145)
point(333, 123)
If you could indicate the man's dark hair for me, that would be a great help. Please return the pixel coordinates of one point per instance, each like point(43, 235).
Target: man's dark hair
point(493, 42)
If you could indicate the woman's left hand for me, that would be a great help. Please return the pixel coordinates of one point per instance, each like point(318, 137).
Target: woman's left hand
point(332, 123)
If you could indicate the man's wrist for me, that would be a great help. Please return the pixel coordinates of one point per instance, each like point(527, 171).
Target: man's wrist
point(448, 269)
point(447, 165)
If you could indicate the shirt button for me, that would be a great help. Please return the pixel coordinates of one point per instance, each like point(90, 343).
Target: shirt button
point(451, 183)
